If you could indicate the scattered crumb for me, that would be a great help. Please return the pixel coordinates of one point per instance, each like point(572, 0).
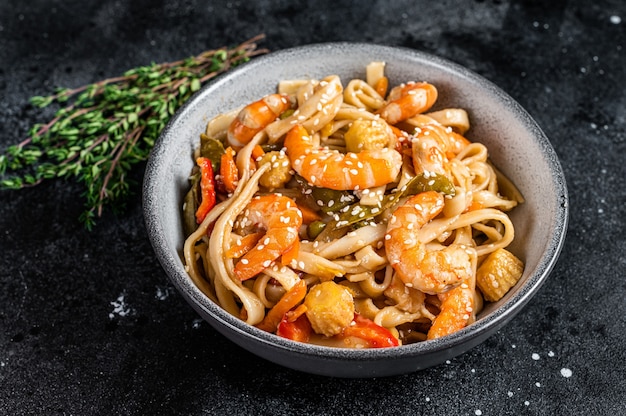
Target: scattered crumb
point(162, 293)
point(535, 356)
point(119, 307)
point(566, 372)
point(550, 353)
point(616, 20)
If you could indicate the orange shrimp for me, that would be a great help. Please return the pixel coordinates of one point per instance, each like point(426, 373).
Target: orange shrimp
point(429, 149)
point(407, 100)
point(281, 218)
point(255, 117)
point(431, 271)
point(327, 168)
point(455, 313)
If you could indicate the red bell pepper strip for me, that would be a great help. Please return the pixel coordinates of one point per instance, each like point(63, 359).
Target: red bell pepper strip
point(374, 335)
point(297, 330)
point(207, 188)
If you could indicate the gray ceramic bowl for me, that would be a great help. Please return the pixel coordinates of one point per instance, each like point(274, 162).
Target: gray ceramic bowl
point(516, 144)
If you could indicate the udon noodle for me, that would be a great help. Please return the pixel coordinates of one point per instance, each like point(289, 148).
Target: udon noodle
point(349, 216)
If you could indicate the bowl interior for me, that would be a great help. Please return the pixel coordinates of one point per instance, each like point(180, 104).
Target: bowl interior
point(516, 146)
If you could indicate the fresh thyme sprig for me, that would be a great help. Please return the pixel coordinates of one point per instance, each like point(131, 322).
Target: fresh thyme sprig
point(103, 129)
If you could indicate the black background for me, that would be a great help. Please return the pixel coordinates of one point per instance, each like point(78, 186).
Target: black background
point(66, 349)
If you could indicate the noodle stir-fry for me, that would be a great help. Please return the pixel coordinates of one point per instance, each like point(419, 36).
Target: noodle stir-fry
point(349, 216)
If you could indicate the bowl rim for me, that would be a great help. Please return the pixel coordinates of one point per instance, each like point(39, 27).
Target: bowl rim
point(482, 328)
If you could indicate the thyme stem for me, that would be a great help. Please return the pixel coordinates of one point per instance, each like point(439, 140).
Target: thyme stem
point(101, 130)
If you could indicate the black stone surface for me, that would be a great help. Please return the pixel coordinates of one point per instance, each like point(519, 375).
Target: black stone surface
point(89, 323)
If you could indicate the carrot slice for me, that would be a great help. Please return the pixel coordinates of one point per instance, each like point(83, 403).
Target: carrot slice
point(290, 299)
point(229, 171)
point(381, 86)
point(257, 152)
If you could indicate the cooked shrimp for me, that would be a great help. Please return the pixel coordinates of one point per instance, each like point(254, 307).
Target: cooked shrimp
point(407, 100)
point(429, 148)
point(456, 312)
point(340, 171)
point(281, 218)
point(255, 117)
point(431, 271)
